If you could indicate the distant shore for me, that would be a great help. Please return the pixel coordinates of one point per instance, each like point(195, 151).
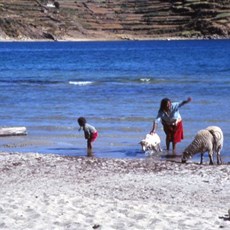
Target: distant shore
point(112, 39)
point(54, 192)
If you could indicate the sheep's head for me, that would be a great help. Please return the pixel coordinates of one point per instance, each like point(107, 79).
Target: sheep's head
point(144, 146)
point(186, 155)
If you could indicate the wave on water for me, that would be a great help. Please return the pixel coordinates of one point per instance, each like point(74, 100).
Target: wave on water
point(44, 82)
point(145, 79)
point(80, 83)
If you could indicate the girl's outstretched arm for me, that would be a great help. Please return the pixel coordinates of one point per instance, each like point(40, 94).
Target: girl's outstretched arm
point(186, 101)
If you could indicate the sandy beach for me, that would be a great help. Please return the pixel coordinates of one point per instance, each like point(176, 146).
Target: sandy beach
point(56, 192)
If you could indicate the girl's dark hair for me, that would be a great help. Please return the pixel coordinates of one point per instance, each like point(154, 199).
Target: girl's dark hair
point(164, 103)
point(81, 121)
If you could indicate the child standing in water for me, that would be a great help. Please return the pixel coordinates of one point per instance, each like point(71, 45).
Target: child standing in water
point(90, 133)
point(171, 120)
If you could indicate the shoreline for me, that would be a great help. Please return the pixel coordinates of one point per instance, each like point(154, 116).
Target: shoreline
point(58, 192)
point(114, 39)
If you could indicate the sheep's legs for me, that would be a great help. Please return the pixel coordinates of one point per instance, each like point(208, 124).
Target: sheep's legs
point(210, 154)
point(201, 158)
point(159, 148)
point(219, 161)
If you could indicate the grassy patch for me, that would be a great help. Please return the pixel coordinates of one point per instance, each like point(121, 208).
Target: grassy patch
point(190, 33)
point(222, 15)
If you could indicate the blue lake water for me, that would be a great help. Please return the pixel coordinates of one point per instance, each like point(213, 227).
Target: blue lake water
point(117, 86)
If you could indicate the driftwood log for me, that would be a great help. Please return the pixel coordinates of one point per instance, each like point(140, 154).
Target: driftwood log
point(13, 131)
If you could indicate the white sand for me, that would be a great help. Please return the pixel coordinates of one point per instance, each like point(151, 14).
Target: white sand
point(53, 192)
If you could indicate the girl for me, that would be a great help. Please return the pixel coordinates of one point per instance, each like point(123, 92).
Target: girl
point(171, 120)
point(90, 133)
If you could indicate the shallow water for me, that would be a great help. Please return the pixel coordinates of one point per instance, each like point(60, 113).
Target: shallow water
point(117, 86)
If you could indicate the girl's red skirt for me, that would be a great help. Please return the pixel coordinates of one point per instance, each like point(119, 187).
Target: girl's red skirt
point(174, 133)
point(94, 136)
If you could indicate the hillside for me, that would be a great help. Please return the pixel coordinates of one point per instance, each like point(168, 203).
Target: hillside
point(112, 20)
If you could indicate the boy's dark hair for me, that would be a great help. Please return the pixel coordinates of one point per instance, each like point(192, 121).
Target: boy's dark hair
point(81, 121)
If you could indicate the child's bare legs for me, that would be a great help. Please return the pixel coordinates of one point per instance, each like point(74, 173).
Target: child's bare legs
point(167, 143)
point(174, 148)
point(89, 149)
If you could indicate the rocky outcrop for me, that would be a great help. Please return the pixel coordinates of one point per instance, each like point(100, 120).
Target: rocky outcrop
point(107, 19)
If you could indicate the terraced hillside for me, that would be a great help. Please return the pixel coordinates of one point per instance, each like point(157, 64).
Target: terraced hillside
point(120, 19)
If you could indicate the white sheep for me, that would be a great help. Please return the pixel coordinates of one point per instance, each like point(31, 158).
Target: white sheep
point(151, 143)
point(206, 140)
